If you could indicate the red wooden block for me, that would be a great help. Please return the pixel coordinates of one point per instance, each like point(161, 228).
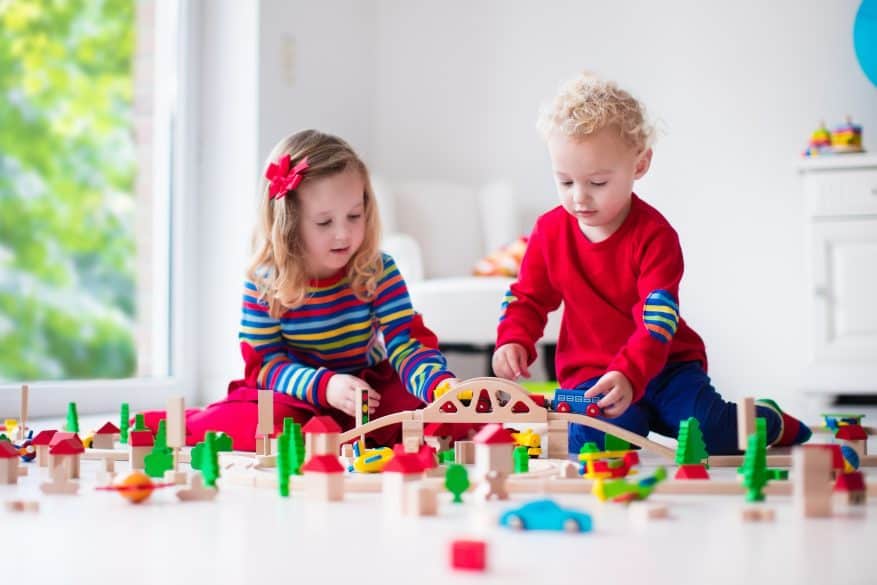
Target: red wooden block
point(470, 555)
point(692, 472)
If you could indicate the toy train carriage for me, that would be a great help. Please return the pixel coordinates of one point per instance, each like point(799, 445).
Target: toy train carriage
point(575, 401)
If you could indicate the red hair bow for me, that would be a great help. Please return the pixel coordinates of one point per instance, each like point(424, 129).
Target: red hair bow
point(284, 179)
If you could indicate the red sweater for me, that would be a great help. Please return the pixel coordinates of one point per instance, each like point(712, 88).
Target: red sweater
point(620, 298)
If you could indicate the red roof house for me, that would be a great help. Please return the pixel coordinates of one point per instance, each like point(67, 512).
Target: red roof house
point(323, 464)
point(493, 434)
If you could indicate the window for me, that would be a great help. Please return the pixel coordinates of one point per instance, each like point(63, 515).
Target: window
point(90, 115)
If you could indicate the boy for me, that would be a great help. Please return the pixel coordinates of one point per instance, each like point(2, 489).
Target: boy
point(616, 263)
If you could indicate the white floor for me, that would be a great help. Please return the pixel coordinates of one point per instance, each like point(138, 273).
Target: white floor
point(251, 535)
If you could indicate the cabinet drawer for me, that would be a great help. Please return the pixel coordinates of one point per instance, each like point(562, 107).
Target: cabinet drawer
point(847, 192)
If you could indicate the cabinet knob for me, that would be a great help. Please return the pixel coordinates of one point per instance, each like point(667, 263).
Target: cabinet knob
point(821, 291)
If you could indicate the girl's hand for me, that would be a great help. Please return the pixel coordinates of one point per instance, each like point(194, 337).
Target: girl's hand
point(510, 361)
point(341, 394)
point(443, 387)
point(617, 390)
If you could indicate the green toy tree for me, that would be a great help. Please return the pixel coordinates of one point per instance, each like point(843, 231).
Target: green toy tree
point(123, 424)
point(161, 458)
point(210, 463)
point(296, 441)
point(691, 449)
point(457, 481)
point(522, 459)
point(140, 423)
point(613, 443)
point(755, 475)
point(221, 442)
point(284, 465)
point(72, 425)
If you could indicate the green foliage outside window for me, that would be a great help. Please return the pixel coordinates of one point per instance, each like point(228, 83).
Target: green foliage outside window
point(67, 170)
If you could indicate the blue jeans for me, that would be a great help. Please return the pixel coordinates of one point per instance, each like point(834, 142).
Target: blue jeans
point(680, 391)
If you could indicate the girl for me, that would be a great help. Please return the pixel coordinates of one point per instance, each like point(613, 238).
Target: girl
point(325, 313)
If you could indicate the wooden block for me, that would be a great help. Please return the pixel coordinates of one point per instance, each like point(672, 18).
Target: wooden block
point(757, 514)
point(811, 484)
point(176, 477)
point(347, 451)
point(421, 500)
point(412, 435)
point(22, 426)
point(647, 511)
point(568, 470)
point(464, 452)
point(745, 422)
point(266, 461)
point(558, 439)
point(22, 506)
point(176, 422)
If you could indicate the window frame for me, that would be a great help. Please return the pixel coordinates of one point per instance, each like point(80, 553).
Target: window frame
point(174, 218)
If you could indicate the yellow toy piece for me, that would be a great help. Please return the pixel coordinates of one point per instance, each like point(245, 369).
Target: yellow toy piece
point(443, 387)
point(373, 460)
point(531, 440)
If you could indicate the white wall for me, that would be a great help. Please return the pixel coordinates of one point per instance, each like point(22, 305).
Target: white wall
point(450, 90)
point(738, 87)
point(227, 153)
point(270, 68)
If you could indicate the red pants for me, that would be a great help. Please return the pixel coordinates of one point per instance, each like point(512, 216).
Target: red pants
point(237, 415)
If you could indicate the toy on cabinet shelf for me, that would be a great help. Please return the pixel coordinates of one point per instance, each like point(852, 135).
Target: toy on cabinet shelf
point(843, 139)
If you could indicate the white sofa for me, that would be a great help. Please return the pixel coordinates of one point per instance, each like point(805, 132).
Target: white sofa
point(437, 232)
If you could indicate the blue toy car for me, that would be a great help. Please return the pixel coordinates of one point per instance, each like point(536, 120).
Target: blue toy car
point(545, 515)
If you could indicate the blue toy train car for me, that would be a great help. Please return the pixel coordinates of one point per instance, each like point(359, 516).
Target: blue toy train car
point(575, 401)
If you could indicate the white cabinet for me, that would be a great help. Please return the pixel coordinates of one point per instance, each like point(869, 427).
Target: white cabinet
point(842, 216)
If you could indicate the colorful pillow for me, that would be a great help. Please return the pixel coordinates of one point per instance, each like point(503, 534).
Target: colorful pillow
point(504, 262)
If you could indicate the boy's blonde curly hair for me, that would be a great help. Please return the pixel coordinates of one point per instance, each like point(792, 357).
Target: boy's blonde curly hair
point(587, 104)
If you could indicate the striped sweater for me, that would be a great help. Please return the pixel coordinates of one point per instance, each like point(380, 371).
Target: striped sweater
point(334, 332)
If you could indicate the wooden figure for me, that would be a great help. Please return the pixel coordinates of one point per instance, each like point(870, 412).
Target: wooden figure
point(197, 491)
point(60, 485)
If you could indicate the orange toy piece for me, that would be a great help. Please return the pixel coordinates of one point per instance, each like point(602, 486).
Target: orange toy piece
point(136, 487)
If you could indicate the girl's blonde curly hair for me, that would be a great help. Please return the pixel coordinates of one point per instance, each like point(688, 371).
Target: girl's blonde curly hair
point(278, 265)
point(587, 104)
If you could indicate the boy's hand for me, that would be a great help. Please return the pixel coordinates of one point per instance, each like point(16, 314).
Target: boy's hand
point(617, 390)
point(341, 394)
point(510, 362)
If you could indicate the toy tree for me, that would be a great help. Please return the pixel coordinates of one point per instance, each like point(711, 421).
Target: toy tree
point(123, 424)
point(161, 458)
point(221, 442)
point(457, 481)
point(210, 463)
point(522, 459)
point(284, 464)
point(691, 449)
point(292, 430)
point(72, 425)
point(140, 423)
point(755, 473)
